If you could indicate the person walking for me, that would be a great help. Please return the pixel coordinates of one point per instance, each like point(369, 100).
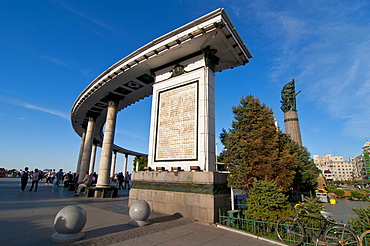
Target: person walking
point(59, 177)
point(35, 179)
point(120, 179)
point(24, 178)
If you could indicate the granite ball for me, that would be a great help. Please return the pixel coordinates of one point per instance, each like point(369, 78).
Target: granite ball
point(70, 219)
point(139, 210)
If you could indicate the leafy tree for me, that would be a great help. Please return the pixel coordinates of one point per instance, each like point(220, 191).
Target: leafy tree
point(143, 162)
point(266, 202)
point(306, 172)
point(255, 148)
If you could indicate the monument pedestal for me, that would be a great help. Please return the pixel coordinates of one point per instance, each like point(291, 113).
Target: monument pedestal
point(195, 195)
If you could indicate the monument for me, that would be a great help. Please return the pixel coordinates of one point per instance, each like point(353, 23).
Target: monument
point(182, 132)
point(178, 69)
point(289, 108)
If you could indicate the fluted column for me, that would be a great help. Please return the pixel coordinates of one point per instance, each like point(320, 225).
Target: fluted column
point(113, 166)
point(107, 147)
point(92, 160)
point(86, 155)
point(81, 152)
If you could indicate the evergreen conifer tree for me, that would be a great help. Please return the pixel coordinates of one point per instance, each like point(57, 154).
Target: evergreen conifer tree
point(254, 147)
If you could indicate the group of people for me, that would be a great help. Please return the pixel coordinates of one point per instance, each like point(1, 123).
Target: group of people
point(66, 178)
point(123, 181)
point(37, 175)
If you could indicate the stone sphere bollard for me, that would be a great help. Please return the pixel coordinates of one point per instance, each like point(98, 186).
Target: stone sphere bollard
point(68, 223)
point(139, 213)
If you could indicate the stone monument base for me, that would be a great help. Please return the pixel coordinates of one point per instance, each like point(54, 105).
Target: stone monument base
point(195, 195)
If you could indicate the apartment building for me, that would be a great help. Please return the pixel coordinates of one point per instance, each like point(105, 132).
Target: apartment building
point(335, 168)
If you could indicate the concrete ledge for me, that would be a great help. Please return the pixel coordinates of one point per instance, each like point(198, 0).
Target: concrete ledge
point(195, 195)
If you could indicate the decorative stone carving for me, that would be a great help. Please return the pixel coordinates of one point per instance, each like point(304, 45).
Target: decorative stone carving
point(178, 70)
point(211, 59)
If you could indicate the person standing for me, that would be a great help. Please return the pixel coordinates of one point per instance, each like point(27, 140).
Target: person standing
point(59, 177)
point(127, 180)
point(24, 178)
point(52, 176)
point(35, 180)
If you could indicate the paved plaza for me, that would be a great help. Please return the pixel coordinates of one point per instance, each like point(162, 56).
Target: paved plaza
point(27, 218)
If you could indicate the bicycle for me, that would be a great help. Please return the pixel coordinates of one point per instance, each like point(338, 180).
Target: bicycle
point(293, 231)
point(365, 236)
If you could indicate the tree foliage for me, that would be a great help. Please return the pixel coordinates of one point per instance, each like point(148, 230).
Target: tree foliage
point(256, 149)
point(266, 202)
point(361, 223)
point(143, 162)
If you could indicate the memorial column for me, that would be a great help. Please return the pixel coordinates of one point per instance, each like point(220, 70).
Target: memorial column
point(107, 147)
point(86, 155)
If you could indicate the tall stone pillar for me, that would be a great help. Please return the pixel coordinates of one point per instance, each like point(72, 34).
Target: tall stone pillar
point(92, 160)
point(291, 123)
point(86, 155)
point(107, 147)
point(81, 152)
point(125, 165)
point(113, 166)
point(289, 108)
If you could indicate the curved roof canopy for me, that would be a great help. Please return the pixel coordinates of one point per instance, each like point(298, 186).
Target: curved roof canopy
point(131, 79)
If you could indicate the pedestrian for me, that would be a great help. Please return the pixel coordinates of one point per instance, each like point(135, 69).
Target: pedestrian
point(59, 177)
point(48, 178)
point(86, 182)
point(127, 180)
point(24, 178)
point(35, 179)
point(120, 179)
point(53, 173)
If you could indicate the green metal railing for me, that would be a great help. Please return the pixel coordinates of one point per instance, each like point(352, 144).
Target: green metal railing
point(260, 228)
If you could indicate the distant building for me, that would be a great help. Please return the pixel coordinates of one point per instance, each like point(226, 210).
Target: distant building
point(366, 153)
point(335, 168)
point(360, 169)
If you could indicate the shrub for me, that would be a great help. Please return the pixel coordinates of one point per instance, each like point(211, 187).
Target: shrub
point(358, 195)
point(339, 192)
point(266, 202)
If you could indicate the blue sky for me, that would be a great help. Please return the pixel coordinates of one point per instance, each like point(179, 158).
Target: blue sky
point(51, 50)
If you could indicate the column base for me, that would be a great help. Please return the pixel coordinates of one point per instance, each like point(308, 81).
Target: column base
point(101, 192)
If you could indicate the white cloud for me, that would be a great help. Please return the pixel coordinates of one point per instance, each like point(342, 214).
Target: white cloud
point(34, 107)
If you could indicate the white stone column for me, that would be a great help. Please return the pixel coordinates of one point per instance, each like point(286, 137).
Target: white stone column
point(86, 155)
point(107, 147)
point(81, 151)
point(92, 160)
point(113, 165)
point(137, 164)
point(125, 165)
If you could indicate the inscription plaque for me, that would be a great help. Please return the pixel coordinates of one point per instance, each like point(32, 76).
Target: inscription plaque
point(177, 124)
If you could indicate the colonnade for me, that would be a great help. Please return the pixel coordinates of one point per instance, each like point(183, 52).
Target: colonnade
point(108, 156)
